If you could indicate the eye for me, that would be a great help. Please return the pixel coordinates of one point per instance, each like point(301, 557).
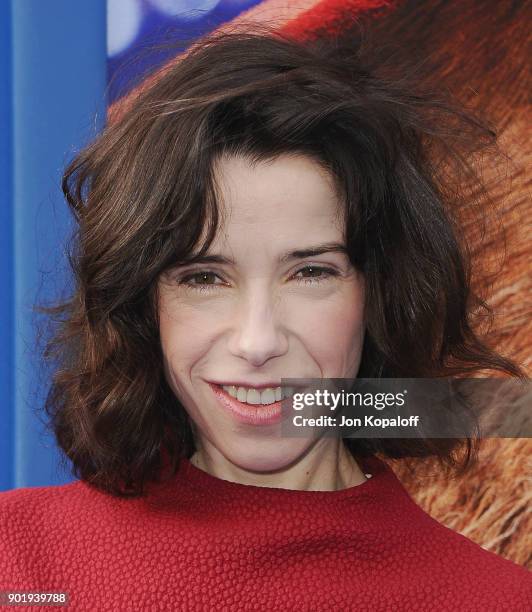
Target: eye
point(323, 274)
point(203, 284)
point(205, 280)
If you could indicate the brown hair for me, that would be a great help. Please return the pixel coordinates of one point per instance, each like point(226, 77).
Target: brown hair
point(143, 192)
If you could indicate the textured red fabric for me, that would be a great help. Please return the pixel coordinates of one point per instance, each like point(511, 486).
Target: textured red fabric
point(199, 542)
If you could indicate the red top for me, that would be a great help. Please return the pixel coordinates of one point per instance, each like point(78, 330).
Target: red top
point(200, 542)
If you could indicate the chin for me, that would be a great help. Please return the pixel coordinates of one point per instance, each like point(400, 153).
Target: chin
point(268, 457)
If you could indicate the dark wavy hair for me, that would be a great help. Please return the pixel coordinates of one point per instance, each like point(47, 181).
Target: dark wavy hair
point(143, 192)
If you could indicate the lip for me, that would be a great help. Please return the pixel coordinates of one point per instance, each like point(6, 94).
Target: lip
point(248, 385)
point(251, 414)
point(233, 383)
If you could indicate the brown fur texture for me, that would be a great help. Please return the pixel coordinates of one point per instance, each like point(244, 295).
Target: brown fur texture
point(479, 50)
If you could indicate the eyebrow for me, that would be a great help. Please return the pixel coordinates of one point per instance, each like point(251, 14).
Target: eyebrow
point(311, 251)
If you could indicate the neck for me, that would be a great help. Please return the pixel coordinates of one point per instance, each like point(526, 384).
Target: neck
point(328, 466)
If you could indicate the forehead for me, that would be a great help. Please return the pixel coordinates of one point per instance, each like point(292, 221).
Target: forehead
point(289, 190)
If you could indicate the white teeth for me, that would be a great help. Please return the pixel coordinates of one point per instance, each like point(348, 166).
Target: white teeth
point(267, 396)
point(254, 396)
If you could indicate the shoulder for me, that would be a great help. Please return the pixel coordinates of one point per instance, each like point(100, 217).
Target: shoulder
point(31, 509)
point(475, 574)
point(28, 513)
point(28, 520)
point(456, 567)
point(37, 502)
point(44, 528)
point(17, 503)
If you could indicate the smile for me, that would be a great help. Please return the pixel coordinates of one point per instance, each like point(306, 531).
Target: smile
point(249, 395)
point(256, 408)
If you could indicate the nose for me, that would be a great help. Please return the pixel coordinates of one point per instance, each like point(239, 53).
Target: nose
point(258, 333)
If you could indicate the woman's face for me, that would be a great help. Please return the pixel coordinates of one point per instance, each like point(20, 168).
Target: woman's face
point(260, 316)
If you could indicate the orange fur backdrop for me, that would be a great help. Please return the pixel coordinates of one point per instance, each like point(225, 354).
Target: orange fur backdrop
point(479, 51)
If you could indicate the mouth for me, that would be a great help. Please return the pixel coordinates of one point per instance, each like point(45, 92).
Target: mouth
point(250, 412)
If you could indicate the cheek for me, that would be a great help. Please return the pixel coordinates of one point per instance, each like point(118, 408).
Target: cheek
point(334, 332)
point(183, 342)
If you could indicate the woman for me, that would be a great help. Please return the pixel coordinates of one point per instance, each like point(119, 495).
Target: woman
point(267, 209)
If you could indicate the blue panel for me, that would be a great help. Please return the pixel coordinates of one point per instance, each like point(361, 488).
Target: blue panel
point(58, 85)
point(162, 35)
point(6, 259)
